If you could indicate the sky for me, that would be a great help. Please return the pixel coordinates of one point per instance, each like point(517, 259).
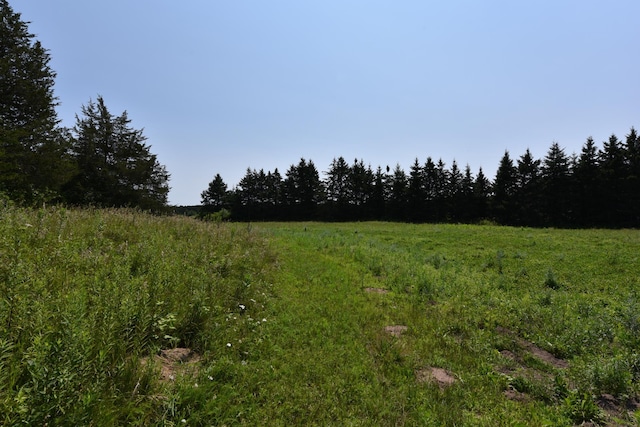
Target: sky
point(222, 86)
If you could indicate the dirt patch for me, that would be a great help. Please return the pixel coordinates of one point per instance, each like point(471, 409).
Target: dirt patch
point(436, 375)
point(535, 351)
point(175, 361)
point(396, 330)
point(516, 396)
point(617, 408)
point(376, 290)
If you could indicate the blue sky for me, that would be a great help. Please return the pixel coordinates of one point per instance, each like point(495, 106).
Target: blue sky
point(219, 86)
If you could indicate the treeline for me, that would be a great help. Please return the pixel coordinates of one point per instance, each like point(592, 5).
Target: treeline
point(599, 187)
point(101, 161)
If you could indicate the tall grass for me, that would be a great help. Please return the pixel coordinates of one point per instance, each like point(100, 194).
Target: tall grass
point(85, 295)
point(286, 331)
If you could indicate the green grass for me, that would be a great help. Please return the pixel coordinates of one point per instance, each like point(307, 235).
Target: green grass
point(286, 333)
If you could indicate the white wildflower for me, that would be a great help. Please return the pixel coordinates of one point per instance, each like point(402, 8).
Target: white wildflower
point(228, 344)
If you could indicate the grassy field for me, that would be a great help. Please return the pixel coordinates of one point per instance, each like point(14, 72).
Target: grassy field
point(120, 318)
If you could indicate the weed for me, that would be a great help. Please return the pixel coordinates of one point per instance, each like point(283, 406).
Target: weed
point(581, 408)
point(551, 281)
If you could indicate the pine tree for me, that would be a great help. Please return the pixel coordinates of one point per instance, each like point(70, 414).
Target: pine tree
point(504, 190)
point(482, 188)
point(303, 190)
point(115, 165)
point(338, 185)
point(527, 200)
point(33, 153)
point(361, 184)
point(632, 182)
point(556, 187)
point(398, 194)
point(416, 196)
point(587, 186)
point(214, 198)
point(378, 195)
point(613, 173)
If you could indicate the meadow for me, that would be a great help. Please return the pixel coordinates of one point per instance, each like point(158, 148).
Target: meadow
point(116, 317)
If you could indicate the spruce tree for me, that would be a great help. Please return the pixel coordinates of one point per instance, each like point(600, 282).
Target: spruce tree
point(527, 200)
point(504, 190)
point(556, 187)
point(632, 182)
point(33, 160)
point(214, 198)
point(115, 165)
point(415, 192)
point(613, 173)
point(482, 188)
point(587, 186)
point(398, 194)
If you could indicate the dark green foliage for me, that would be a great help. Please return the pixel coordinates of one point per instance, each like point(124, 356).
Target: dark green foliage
point(214, 198)
point(33, 156)
point(115, 166)
point(504, 190)
point(101, 162)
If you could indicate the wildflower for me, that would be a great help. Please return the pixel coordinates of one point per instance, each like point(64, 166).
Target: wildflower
point(264, 319)
point(183, 421)
point(210, 378)
point(242, 307)
point(228, 344)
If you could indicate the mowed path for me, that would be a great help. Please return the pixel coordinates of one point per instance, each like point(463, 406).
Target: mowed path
point(327, 337)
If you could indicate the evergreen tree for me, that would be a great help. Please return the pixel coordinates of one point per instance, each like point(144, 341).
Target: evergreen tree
point(440, 189)
point(455, 193)
point(398, 194)
point(504, 190)
point(587, 187)
point(378, 195)
point(613, 173)
point(303, 190)
point(361, 184)
point(556, 187)
point(430, 178)
point(339, 188)
point(632, 182)
point(466, 212)
point(527, 200)
point(416, 196)
point(33, 153)
point(115, 166)
point(275, 195)
point(214, 198)
point(482, 189)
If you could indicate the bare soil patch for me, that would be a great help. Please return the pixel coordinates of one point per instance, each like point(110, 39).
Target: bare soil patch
point(396, 330)
point(376, 290)
point(516, 396)
point(535, 351)
point(437, 375)
point(175, 361)
point(617, 408)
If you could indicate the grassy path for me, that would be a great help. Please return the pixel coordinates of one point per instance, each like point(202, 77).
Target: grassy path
point(334, 364)
point(533, 327)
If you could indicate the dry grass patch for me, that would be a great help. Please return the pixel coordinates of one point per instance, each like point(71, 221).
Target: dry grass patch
point(435, 375)
point(376, 290)
point(396, 330)
point(174, 362)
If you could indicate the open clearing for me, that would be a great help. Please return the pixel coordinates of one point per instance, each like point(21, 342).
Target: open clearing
point(116, 317)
